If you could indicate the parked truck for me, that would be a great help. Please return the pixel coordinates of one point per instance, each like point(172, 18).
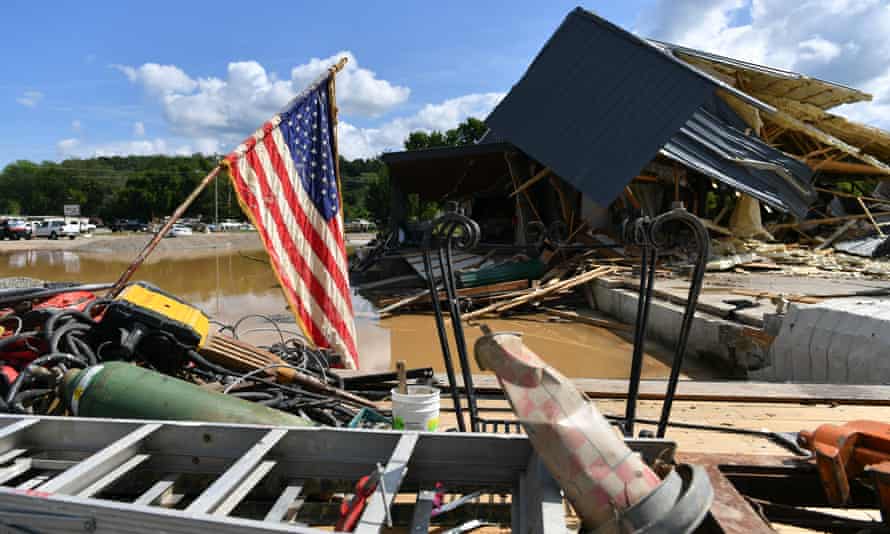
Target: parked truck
point(56, 228)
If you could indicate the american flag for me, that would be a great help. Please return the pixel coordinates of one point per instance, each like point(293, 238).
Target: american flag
point(287, 183)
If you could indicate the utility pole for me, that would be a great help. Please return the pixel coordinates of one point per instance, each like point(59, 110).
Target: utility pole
point(216, 204)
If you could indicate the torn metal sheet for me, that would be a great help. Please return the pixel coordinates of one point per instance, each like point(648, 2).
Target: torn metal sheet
point(867, 247)
point(715, 148)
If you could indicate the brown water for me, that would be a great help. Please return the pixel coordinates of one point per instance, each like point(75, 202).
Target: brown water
point(230, 285)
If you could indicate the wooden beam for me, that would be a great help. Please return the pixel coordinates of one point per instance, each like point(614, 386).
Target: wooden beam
point(531, 181)
point(742, 391)
point(845, 167)
point(851, 195)
point(870, 218)
point(828, 220)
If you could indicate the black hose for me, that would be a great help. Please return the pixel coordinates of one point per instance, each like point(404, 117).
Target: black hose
point(50, 325)
point(88, 309)
point(203, 362)
point(16, 338)
point(19, 400)
point(86, 350)
point(25, 375)
point(62, 331)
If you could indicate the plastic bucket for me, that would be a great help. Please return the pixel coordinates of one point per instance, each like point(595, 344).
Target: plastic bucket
point(416, 410)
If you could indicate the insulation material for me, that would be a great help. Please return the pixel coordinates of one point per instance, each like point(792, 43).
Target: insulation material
point(600, 475)
point(745, 220)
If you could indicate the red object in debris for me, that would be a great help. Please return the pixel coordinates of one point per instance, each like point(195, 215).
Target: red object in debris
point(22, 352)
point(9, 374)
point(77, 300)
point(351, 511)
point(844, 452)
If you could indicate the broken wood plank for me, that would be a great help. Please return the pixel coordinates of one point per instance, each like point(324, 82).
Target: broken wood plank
point(533, 294)
point(741, 391)
point(531, 181)
point(870, 217)
point(835, 235)
point(826, 220)
point(593, 321)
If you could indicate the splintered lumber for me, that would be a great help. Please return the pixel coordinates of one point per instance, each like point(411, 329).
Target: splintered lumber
point(827, 220)
point(480, 291)
point(803, 299)
point(835, 235)
point(870, 217)
point(540, 292)
point(241, 356)
point(593, 321)
point(531, 181)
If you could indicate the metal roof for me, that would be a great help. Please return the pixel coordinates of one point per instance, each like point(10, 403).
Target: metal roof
point(598, 103)
point(715, 148)
point(761, 80)
point(449, 172)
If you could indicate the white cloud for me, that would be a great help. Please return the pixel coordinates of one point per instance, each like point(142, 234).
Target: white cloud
point(214, 114)
point(30, 99)
point(369, 142)
point(159, 79)
point(844, 41)
point(232, 106)
point(139, 129)
point(77, 148)
point(818, 50)
point(359, 91)
point(67, 147)
point(76, 125)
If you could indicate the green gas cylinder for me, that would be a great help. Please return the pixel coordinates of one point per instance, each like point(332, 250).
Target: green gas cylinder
point(124, 390)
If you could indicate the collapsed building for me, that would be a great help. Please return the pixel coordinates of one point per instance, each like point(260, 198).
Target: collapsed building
point(604, 122)
point(605, 126)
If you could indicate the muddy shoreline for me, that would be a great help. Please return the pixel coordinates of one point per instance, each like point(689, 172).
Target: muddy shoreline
point(126, 246)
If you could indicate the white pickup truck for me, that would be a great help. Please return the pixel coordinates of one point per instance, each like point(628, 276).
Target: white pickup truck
point(56, 228)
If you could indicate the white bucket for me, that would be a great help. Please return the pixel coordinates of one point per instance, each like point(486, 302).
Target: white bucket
point(416, 410)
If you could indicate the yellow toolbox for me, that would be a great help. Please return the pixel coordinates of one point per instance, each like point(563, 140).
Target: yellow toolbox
point(144, 308)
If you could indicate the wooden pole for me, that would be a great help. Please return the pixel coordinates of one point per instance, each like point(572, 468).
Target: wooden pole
point(531, 181)
point(870, 218)
point(151, 245)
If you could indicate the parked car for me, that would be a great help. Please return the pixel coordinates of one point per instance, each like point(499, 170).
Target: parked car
point(129, 225)
point(179, 230)
point(15, 229)
point(87, 227)
point(56, 228)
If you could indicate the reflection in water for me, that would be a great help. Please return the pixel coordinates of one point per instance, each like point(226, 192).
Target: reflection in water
point(229, 286)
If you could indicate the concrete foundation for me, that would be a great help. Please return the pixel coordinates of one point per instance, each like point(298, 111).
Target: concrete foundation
point(841, 341)
point(712, 339)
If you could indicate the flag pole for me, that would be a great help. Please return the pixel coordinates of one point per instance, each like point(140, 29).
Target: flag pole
point(151, 245)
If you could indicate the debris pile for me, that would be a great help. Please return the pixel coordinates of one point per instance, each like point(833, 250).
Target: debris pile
point(147, 354)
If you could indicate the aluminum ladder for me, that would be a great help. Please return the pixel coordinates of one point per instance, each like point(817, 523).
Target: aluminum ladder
point(69, 474)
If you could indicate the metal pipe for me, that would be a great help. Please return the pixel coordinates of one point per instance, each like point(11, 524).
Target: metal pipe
point(702, 241)
point(440, 329)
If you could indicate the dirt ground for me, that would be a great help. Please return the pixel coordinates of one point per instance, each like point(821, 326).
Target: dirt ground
point(127, 245)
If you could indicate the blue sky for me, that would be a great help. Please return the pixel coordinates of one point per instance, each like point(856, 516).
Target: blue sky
point(104, 77)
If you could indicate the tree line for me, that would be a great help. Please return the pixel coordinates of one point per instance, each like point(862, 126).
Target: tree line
point(149, 187)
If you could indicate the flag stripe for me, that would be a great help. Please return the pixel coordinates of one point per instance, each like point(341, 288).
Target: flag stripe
point(315, 290)
point(282, 177)
point(259, 219)
point(333, 303)
point(286, 178)
point(322, 238)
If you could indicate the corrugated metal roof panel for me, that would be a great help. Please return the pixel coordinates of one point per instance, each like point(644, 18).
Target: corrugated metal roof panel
point(591, 72)
point(745, 163)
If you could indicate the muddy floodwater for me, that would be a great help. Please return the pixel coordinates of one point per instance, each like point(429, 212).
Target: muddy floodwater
point(231, 285)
